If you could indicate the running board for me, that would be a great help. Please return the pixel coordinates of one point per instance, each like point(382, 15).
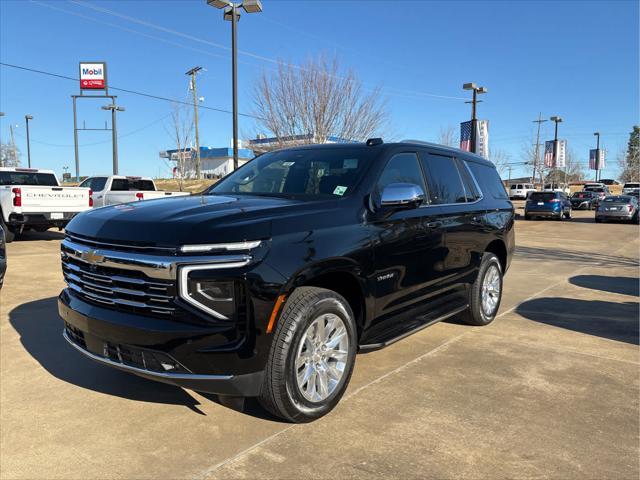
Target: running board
point(370, 347)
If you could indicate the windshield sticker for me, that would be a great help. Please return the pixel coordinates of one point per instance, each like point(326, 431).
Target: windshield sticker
point(350, 163)
point(340, 190)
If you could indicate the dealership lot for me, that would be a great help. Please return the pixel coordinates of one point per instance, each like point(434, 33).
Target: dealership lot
point(550, 389)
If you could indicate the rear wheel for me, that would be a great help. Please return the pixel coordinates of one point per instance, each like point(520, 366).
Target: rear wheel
point(569, 214)
point(486, 292)
point(312, 356)
point(527, 216)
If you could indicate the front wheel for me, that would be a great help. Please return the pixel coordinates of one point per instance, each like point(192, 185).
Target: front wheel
point(312, 356)
point(9, 234)
point(486, 292)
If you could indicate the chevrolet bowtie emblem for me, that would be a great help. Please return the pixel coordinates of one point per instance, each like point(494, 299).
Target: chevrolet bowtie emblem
point(92, 256)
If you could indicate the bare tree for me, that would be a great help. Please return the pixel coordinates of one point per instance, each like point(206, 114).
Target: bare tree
point(317, 101)
point(181, 131)
point(448, 136)
point(500, 159)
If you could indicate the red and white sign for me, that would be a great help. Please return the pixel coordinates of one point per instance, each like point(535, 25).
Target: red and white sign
point(93, 76)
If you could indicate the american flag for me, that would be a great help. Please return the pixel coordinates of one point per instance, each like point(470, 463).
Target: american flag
point(548, 154)
point(592, 159)
point(465, 136)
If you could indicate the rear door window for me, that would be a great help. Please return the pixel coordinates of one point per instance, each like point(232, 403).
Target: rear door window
point(489, 180)
point(444, 180)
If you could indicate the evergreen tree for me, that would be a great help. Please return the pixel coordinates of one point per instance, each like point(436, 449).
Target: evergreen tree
point(631, 163)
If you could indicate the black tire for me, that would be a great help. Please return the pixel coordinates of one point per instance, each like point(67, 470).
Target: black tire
point(280, 393)
point(527, 217)
point(561, 217)
point(569, 215)
point(598, 220)
point(476, 314)
point(9, 236)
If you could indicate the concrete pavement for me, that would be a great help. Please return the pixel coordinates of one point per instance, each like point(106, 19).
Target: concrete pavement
point(550, 389)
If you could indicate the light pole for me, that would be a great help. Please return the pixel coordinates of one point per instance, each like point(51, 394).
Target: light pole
point(476, 90)
point(26, 119)
point(114, 132)
point(193, 72)
point(232, 14)
point(557, 120)
point(597, 162)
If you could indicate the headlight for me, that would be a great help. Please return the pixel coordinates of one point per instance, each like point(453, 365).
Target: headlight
point(217, 298)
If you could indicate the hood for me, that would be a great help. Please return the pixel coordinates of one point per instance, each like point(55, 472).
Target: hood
point(190, 220)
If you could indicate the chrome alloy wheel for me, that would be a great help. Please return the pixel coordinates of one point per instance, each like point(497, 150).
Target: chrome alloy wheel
point(490, 293)
point(322, 357)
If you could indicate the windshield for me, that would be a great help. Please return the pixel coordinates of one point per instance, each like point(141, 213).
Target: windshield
point(594, 189)
point(313, 173)
point(541, 196)
point(631, 185)
point(28, 178)
point(584, 195)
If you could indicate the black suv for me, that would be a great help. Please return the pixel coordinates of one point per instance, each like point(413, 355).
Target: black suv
point(271, 281)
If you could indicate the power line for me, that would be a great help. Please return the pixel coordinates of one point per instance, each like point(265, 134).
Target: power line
point(147, 24)
point(125, 90)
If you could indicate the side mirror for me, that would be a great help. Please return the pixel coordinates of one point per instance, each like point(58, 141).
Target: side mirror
point(402, 195)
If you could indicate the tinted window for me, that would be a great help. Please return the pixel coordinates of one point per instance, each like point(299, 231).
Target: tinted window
point(310, 173)
point(401, 168)
point(489, 180)
point(128, 184)
point(94, 183)
point(542, 196)
point(445, 184)
point(28, 178)
point(470, 187)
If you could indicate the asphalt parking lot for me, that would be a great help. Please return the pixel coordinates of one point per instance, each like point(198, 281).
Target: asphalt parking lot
point(551, 389)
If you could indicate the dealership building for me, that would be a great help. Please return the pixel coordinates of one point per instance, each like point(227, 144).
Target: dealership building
point(214, 162)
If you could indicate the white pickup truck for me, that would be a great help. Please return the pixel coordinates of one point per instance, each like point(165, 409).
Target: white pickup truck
point(32, 199)
point(116, 189)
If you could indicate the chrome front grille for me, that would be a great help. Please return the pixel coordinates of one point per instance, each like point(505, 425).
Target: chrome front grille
point(110, 288)
point(137, 282)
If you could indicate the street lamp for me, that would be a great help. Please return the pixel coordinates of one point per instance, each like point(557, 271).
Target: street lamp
point(597, 159)
point(476, 90)
point(231, 14)
point(557, 120)
point(26, 119)
point(114, 132)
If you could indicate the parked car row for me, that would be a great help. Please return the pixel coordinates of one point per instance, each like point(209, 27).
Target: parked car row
point(559, 206)
point(33, 199)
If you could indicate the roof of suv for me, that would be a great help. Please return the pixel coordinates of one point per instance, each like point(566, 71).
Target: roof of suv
point(414, 143)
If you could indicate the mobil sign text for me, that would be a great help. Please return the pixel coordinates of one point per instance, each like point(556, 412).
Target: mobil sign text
point(93, 76)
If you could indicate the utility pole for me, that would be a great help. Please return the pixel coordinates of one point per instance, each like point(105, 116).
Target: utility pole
point(536, 161)
point(556, 119)
point(114, 130)
point(192, 73)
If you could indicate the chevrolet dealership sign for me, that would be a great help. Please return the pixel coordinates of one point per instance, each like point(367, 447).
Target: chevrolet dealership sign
point(93, 76)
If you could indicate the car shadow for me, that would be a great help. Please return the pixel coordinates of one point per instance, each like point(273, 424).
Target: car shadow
point(573, 256)
point(40, 331)
point(32, 235)
point(612, 320)
point(622, 285)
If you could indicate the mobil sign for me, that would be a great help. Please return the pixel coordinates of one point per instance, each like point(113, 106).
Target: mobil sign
point(93, 76)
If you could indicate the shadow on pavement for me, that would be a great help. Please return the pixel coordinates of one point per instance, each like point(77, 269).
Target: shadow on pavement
point(612, 320)
point(582, 258)
point(32, 235)
point(622, 285)
point(40, 332)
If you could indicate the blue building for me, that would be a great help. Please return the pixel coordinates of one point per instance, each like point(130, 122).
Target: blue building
point(214, 162)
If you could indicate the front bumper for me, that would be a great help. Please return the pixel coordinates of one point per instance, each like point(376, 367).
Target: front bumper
point(580, 205)
point(196, 357)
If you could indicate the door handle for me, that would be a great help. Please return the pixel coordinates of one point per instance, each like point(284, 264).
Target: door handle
point(434, 224)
